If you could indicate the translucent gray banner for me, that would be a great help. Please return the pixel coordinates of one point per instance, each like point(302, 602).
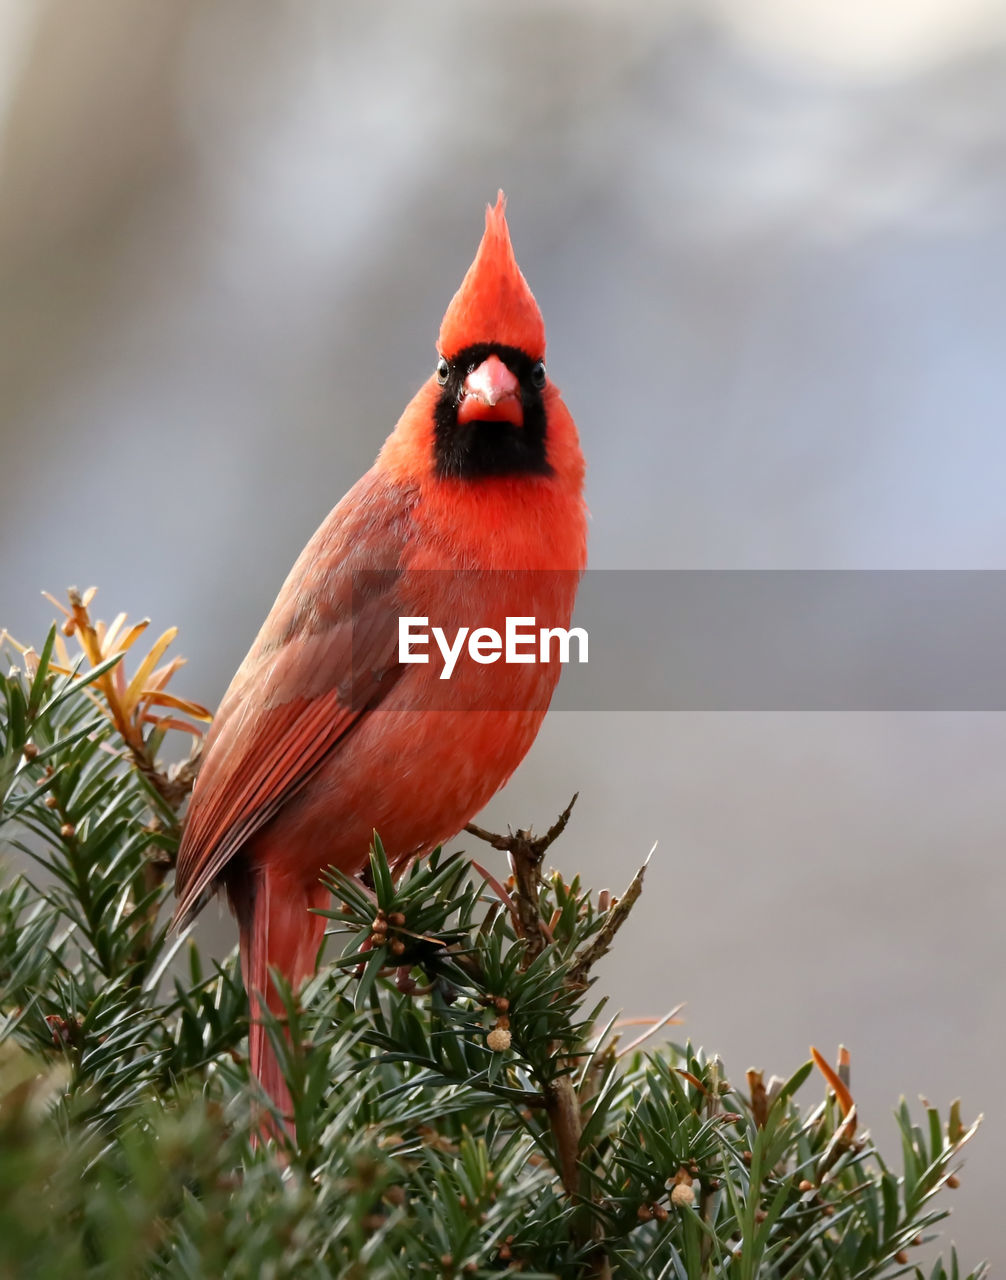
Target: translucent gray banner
point(696, 640)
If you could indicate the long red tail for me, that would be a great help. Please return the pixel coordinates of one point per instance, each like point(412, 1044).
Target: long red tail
point(278, 930)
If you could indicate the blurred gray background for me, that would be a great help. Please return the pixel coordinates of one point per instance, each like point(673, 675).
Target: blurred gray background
point(769, 241)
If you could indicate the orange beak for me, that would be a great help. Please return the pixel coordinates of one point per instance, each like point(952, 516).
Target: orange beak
point(491, 393)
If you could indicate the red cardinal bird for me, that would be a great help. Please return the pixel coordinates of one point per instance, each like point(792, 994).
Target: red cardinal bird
point(472, 513)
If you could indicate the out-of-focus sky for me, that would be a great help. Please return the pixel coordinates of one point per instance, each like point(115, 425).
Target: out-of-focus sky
point(769, 241)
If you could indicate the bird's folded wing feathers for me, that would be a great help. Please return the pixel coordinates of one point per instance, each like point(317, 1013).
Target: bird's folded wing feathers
point(326, 655)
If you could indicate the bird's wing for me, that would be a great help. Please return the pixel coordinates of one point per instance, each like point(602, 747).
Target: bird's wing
point(326, 655)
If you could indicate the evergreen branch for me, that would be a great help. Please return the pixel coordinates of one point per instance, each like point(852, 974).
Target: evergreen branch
point(462, 1107)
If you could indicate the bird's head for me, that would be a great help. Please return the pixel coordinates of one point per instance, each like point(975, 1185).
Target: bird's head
point(490, 413)
point(489, 409)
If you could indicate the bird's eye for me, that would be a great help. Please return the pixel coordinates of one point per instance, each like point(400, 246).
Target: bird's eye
point(538, 375)
point(443, 371)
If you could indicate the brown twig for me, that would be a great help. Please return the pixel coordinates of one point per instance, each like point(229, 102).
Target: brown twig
point(563, 1103)
point(539, 844)
point(563, 1108)
point(600, 945)
point(526, 852)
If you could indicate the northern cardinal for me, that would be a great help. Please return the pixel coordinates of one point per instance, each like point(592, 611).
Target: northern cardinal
point(472, 513)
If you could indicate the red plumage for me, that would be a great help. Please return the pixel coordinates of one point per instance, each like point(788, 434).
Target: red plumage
point(323, 736)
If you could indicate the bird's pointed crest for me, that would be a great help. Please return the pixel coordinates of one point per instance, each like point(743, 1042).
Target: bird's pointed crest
point(494, 303)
